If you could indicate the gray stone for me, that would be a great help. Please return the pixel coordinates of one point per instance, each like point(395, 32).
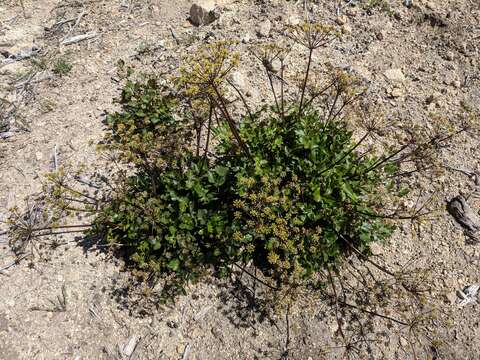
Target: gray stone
point(264, 28)
point(6, 135)
point(202, 12)
point(449, 55)
point(394, 75)
point(3, 323)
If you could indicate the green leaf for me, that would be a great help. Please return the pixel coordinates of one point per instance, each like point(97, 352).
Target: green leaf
point(317, 195)
point(221, 170)
point(348, 190)
point(404, 190)
point(174, 264)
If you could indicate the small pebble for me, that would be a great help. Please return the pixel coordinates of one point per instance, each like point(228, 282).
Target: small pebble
point(341, 20)
point(449, 55)
point(346, 29)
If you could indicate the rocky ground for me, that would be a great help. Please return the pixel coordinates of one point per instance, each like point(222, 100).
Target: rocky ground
point(417, 60)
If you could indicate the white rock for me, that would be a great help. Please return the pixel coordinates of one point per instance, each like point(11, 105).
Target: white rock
point(351, 11)
point(456, 83)
point(6, 135)
point(238, 80)
point(293, 20)
point(202, 12)
point(396, 92)
point(264, 28)
point(375, 248)
point(276, 66)
point(130, 346)
point(252, 93)
point(451, 297)
point(394, 75)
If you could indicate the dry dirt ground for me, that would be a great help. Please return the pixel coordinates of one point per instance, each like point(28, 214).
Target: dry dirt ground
point(435, 44)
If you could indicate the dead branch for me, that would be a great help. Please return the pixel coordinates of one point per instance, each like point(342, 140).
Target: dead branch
point(78, 38)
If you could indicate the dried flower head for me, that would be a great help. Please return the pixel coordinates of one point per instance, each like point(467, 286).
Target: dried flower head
point(312, 35)
point(267, 53)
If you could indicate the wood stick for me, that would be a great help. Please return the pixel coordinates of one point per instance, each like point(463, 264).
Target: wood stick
point(79, 38)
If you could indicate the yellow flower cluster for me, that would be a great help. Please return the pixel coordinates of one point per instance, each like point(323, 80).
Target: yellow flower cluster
point(206, 71)
point(272, 216)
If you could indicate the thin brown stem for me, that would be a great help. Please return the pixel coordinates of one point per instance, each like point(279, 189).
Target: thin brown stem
point(269, 75)
point(79, 201)
point(334, 289)
point(68, 208)
point(305, 80)
point(16, 262)
point(348, 152)
point(75, 191)
point(334, 104)
point(209, 129)
point(230, 122)
point(256, 278)
point(58, 233)
point(241, 98)
point(384, 160)
point(287, 321)
point(365, 257)
point(319, 93)
point(63, 227)
point(373, 313)
point(282, 90)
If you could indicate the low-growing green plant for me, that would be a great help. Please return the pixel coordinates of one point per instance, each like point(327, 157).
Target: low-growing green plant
point(62, 66)
point(282, 206)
